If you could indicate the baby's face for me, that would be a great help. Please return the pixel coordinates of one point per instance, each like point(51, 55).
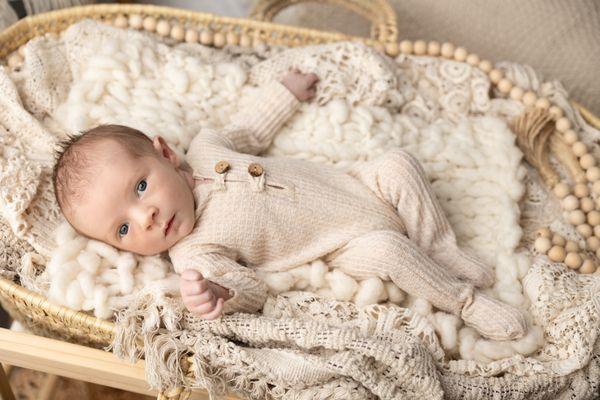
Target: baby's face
point(129, 202)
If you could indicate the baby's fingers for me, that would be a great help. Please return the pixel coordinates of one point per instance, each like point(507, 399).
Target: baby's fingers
point(311, 79)
point(214, 314)
point(203, 308)
point(197, 300)
point(191, 275)
point(190, 288)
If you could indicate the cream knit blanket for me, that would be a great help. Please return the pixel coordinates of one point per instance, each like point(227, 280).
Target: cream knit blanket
point(30, 108)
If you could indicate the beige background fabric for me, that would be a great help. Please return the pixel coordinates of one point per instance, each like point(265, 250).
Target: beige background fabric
point(559, 38)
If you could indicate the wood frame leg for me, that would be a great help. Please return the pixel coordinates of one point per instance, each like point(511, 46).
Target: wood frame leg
point(6, 392)
point(47, 390)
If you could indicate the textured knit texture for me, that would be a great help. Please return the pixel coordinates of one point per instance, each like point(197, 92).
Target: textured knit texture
point(296, 211)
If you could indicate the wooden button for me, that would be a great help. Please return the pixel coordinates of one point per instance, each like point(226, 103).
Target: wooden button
point(221, 167)
point(255, 169)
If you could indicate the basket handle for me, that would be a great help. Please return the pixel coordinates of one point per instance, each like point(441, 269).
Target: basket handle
point(381, 14)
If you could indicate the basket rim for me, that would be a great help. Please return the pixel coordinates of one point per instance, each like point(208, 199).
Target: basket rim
point(25, 29)
point(28, 27)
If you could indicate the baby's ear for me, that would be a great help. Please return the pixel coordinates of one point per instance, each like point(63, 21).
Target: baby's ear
point(161, 146)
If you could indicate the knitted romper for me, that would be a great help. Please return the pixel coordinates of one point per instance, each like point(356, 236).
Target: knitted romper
point(381, 218)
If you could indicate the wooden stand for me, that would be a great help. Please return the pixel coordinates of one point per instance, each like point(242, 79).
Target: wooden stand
point(72, 361)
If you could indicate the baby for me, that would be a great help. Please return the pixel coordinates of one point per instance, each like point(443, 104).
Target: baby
point(227, 212)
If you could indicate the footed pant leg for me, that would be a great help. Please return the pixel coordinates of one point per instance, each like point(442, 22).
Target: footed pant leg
point(398, 178)
point(390, 255)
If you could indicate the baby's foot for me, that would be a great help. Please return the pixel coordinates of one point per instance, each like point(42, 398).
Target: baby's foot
point(464, 264)
point(493, 319)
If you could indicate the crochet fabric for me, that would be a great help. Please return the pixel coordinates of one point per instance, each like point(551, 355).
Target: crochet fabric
point(304, 346)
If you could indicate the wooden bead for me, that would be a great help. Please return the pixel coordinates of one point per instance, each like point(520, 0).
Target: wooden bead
point(406, 47)
point(576, 217)
point(178, 33)
point(191, 36)
point(486, 66)
point(561, 190)
point(529, 98)
point(556, 112)
point(206, 37)
point(447, 50)
point(562, 124)
point(544, 232)
point(593, 243)
point(579, 148)
point(377, 45)
point(473, 59)
point(516, 93)
point(579, 177)
point(420, 47)
point(573, 260)
point(392, 49)
point(581, 190)
point(597, 231)
point(496, 76)
point(593, 218)
point(571, 246)
point(433, 48)
point(21, 51)
point(150, 24)
point(163, 28)
point(587, 161)
point(586, 204)
point(584, 230)
point(596, 187)
point(556, 254)
point(543, 103)
point(136, 21)
point(460, 54)
point(558, 240)
point(542, 245)
point(593, 174)
point(587, 267)
point(570, 136)
point(219, 39)
point(505, 85)
point(233, 38)
point(570, 203)
point(246, 41)
point(121, 22)
point(15, 60)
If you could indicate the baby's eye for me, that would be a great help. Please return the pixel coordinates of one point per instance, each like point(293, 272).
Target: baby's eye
point(142, 185)
point(123, 232)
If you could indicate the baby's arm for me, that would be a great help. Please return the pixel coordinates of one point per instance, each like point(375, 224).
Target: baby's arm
point(251, 130)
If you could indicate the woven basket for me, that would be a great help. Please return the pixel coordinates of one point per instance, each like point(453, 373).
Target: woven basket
point(34, 311)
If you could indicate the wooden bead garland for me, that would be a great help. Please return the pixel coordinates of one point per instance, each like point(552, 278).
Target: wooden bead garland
point(583, 210)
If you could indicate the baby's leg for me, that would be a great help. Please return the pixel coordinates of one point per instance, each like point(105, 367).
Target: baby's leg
point(398, 178)
point(390, 255)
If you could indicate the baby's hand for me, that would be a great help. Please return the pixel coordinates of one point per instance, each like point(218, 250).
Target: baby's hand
point(301, 85)
point(198, 296)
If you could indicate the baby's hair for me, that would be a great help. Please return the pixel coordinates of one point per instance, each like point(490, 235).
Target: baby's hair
point(74, 157)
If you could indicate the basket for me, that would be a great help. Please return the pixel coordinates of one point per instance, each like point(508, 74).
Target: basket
point(33, 310)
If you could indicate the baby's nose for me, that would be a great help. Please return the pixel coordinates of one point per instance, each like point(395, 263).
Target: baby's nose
point(149, 217)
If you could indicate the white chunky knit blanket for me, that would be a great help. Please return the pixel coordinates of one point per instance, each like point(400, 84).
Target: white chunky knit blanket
point(305, 346)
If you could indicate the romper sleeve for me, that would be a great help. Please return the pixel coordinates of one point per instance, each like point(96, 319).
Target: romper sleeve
point(219, 265)
point(251, 130)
